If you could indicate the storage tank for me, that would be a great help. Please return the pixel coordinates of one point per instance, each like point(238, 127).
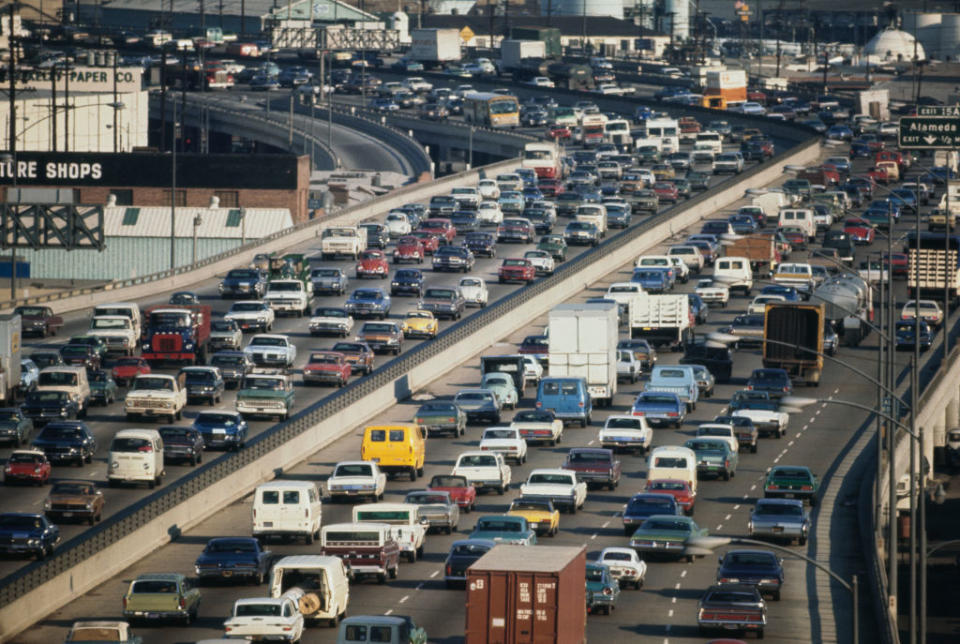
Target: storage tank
point(926, 27)
point(950, 36)
point(680, 10)
point(612, 8)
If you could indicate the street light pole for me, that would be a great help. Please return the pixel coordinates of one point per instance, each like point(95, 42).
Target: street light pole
point(13, 143)
point(173, 192)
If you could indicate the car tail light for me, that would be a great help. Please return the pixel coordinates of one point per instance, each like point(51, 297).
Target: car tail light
point(539, 404)
point(580, 404)
point(306, 513)
point(672, 414)
point(124, 603)
point(786, 388)
point(806, 487)
point(183, 602)
point(726, 463)
point(449, 569)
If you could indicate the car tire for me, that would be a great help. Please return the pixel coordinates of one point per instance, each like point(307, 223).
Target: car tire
point(802, 541)
point(501, 489)
point(753, 448)
point(813, 501)
point(394, 572)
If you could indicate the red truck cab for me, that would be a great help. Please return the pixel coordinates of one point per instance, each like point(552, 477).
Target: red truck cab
point(176, 332)
point(459, 489)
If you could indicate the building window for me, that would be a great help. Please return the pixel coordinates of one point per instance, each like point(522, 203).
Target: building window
point(130, 216)
point(228, 198)
point(233, 218)
point(181, 198)
point(124, 197)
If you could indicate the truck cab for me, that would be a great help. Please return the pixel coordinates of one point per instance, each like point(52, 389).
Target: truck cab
point(369, 549)
point(325, 578)
point(405, 525)
point(677, 379)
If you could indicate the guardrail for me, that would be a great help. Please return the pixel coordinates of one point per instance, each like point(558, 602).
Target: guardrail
point(107, 548)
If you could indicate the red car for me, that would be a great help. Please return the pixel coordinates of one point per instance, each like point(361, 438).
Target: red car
point(460, 490)
point(898, 264)
point(559, 133)
point(516, 270)
point(877, 175)
point(430, 241)
point(550, 187)
point(677, 488)
point(372, 263)
point(27, 466)
point(666, 191)
point(442, 228)
point(409, 249)
point(860, 230)
point(126, 369)
point(327, 367)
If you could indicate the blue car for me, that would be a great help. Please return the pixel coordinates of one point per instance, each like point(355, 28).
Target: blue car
point(906, 331)
point(660, 408)
point(839, 133)
point(653, 280)
point(860, 150)
point(407, 281)
point(760, 568)
point(511, 201)
point(29, 534)
point(532, 193)
point(222, 429)
point(743, 224)
point(66, 441)
point(905, 198)
point(644, 505)
point(368, 302)
point(939, 174)
point(789, 293)
point(231, 558)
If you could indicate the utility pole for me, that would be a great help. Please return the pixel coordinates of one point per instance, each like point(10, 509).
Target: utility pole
point(13, 142)
point(53, 106)
point(116, 105)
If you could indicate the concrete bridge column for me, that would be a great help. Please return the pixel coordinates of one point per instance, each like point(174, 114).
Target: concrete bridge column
point(951, 419)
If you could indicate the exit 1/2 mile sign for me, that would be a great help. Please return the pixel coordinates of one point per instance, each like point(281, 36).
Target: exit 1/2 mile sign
point(929, 132)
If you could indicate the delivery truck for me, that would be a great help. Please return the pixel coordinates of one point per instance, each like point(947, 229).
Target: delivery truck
point(793, 340)
point(933, 259)
point(512, 52)
point(10, 334)
point(434, 46)
point(760, 249)
point(583, 344)
point(527, 594)
point(662, 320)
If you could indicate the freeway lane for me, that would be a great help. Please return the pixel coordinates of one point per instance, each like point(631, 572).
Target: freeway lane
point(663, 610)
point(106, 421)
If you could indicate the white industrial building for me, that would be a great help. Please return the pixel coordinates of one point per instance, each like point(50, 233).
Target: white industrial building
point(938, 33)
point(138, 241)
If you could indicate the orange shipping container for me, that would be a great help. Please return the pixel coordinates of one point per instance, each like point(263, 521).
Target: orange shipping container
point(527, 595)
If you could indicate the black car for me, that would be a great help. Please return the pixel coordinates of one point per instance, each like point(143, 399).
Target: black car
point(407, 281)
point(759, 568)
point(465, 221)
point(541, 219)
point(233, 365)
point(717, 360)
point(484, 244)
point(203, 383)
point(66, 441)
point(14, 426)
point(30, 534)
point(44, 359)
point(733, 607)
point(229, 558)
point(378, 235)
point(182, 444)
point(776, 382)
point(462, 555)
point(45, 406)
point(80, 355)
point(453, 258)
point(244, 282)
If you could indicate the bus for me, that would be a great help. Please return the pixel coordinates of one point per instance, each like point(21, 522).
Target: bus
point(665, 129)
point(491, 110)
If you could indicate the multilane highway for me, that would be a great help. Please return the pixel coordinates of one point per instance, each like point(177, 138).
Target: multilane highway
point(811, 609)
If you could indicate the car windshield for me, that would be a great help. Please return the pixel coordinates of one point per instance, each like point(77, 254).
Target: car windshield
point(657, 399)
point(550, 479)
point(790, 473)
point(470, 549)
point(243, 307)
point(478, 460)
point(473, 396)
point(730, 597)
point(199, 376)
point(110, 323)
point(750, 559)
point(223, 325)
point(645, 504)
point(499, 433)
point(354, 469)
point(366, 295)
point(666, 524)
point(258, 610)
point(267, 341)
point(226, 360)
point(588, 457)
point(72, 489)
point(498, 525)
point(25, 457)
point(594, 573)
point(779, 509)
point(374, 327)
point(423, 498)
point(263, 384)
point(29, 311)
point(216, 418)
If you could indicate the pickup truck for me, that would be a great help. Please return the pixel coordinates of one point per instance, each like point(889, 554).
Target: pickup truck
point(161, 597)
point(594, 466)
point(271, 350)
point(405, 526)
point(356, 479)
point(677, 379)
point(266, 394)
point(763, 410)
point(116, 331)
point(436, 508)
point(290, 296)
point(102, 631)
point(558, 485)
point(486, 470)
point(799, 276)
point(266, 618)
point(343, 240)
point(511, 530)
point(732, 607)
point(251, 315)
point(155, 395)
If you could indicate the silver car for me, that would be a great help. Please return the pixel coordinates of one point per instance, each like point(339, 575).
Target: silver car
point(780, 519)
point(705, 380)
point(436, 510)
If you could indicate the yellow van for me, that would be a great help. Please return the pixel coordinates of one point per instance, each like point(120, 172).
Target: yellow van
point(395, 448)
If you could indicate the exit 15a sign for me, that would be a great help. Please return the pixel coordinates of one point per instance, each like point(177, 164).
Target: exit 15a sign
point(929, 132)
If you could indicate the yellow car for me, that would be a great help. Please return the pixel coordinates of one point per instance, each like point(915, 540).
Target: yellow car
point(539, 513)
point(420, 324)
point(662, 172)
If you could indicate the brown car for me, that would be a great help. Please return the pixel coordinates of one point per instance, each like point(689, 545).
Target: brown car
point(358, 354)
point(38, 320)
point(74, 500)
point(382, 336)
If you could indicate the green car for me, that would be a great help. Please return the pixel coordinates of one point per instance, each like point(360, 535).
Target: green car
point(266, 394)
point(439, 416)
point(507, 529)
point(667, 534)
point(791, 482)
point(503, 387)
point(161, 597)
point(602, 589)
point(556, 245)
point(389, 629)
point(683, 187)
point(714, 457)
point(103, 388)
point(698, 180)
point(94, 341)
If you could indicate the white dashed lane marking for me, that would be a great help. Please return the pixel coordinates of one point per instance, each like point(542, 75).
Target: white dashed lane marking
point(404, 599)
point(389, 612)
point(736, 507)
point(434, 574)
point(605, 524)
point(727, 518)
point(683, 573)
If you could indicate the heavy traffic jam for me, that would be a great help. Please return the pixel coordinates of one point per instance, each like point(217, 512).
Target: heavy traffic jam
point(610, 426)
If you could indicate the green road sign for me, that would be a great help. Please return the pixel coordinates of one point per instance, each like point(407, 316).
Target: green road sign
point(929, 132)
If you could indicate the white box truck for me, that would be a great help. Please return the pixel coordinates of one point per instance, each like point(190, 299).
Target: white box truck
point(662, 320)
point(9, 358)
point(512, 52)
point(583, 344)
point(434, 45)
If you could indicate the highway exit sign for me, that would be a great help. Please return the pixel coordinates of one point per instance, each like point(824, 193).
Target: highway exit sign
point(929, 132)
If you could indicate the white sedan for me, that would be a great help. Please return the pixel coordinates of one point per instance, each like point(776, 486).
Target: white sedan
point(625, 565)
point(266, 618)
point(626, 432)
point(505, 440)
point(542, 261)
point(538, 425)
point(713, 292)
point(356, 479)
point(489, 189)
point(474, 291)
point(759, 303)
point(489, 213)
point(398, 224)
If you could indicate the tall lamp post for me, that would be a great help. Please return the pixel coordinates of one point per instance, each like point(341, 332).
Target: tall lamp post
point(13, 139)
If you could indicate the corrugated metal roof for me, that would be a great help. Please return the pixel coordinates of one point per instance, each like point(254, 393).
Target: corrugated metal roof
point(223, 223)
